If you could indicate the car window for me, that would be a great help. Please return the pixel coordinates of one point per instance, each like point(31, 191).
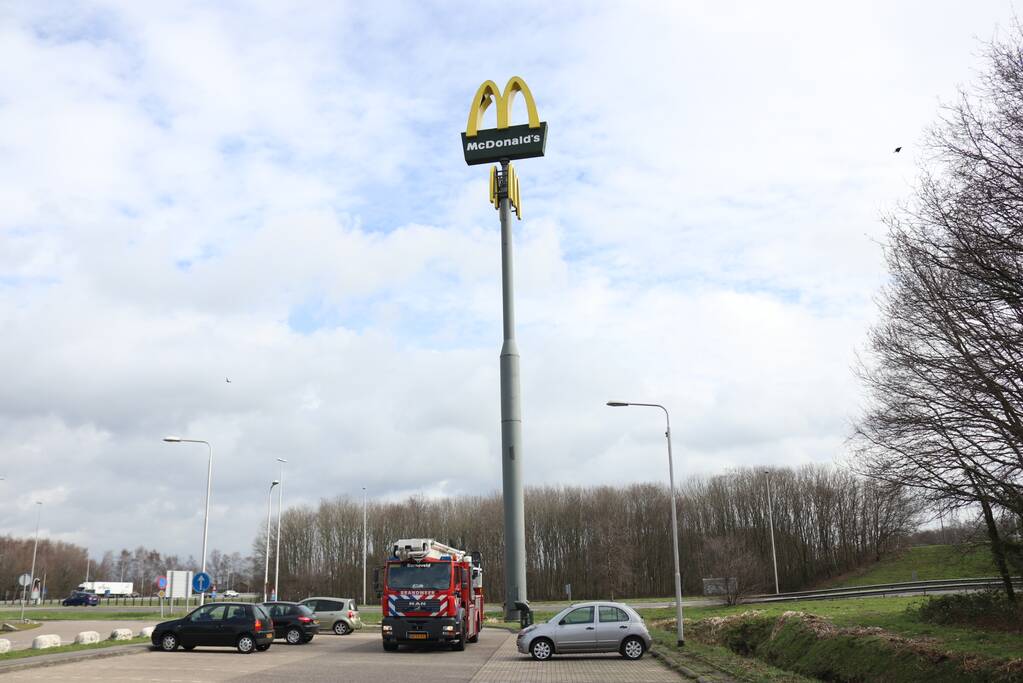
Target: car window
point(311, 604)
point(331, 606)
point(582, 615)
point(274, 610)
point(210, 613)
point(612, 614)
point(303, 610)
point(237, 613)
point(260, 612)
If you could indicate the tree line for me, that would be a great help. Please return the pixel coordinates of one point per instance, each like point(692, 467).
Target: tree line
point(614, 541)
point(944, 366)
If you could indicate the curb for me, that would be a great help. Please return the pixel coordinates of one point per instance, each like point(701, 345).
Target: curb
point(679, 668)
point(68, 657)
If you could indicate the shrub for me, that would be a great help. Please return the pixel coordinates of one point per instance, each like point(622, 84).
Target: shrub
point(987, 609)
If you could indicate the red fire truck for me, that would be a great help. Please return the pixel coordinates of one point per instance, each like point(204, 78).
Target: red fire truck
point(430, 593)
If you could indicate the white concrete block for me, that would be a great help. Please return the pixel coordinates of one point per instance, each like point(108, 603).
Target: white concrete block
point(5, 645)
point(121, 634)
point(43, 642)
point(87, 638)
point(146, 632)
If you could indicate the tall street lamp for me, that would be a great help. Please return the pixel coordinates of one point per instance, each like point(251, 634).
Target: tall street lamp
point(277, 557)
point(674, 520)
point(770, 517)
point(209, 483)
point(363, 545)
point(32, 574)
point(266, 565)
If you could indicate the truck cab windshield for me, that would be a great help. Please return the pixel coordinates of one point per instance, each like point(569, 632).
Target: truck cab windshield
point(424, 576)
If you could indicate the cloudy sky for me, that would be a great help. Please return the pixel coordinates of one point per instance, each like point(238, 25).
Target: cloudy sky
point(274, 192)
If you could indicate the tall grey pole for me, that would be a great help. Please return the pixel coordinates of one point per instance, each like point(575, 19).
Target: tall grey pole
point(770, 517)
point(511, 424)
point(266, 563)
point(32, 575)
point(277, 555)
point(363, 545)
point(674, 519)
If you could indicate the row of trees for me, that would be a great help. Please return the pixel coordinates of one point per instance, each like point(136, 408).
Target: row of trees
point(62, 564)
point(945, 364)
point(608, 541)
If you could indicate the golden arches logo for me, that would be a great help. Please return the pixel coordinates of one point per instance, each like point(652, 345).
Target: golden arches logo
point(489, 93)
point(514, 196)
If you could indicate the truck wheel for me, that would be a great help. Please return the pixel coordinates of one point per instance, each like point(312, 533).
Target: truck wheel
point(341, 628)
point(475, 638)
point(541, 649)
point(458, 645)
point(390, 647)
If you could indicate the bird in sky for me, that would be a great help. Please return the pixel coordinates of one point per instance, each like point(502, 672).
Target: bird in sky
point(897, 150)
point(227, 379)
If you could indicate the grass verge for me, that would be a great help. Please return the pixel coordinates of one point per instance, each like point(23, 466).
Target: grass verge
point(22, 654)
point(70, 615)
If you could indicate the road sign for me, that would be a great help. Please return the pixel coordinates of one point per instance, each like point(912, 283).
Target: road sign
point(162, 594)
point(161, 582)
point(201, 582)
point(24, 579)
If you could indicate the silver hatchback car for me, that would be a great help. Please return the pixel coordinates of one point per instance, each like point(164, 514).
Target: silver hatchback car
point(587, 627)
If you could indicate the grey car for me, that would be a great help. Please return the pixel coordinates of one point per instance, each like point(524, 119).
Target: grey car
point(341, 615)
point(587, 627)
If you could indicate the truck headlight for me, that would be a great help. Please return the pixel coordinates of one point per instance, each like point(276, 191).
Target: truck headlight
point(388, 628)
point(449, 629)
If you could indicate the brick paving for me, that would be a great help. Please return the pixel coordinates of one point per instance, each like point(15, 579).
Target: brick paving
point(507, 665)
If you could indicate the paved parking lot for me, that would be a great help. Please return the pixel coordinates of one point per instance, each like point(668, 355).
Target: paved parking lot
point(357, 658)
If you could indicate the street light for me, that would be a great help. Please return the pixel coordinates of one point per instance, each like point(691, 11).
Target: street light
point(674, 520)
point(277, 557)
point(770, 517)
point(32, 574)
point(269, 506)
point(364, 545)
point(209, 483)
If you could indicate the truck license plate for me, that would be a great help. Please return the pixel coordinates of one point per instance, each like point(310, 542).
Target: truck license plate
point(418, 635)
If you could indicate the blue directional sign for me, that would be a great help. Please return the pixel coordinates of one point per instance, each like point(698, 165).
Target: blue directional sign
point(201, 582)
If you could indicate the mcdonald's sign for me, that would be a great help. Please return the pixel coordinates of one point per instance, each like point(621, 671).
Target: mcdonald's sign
point(506, 141)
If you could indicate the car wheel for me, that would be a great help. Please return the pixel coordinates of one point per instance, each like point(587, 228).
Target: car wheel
point(390, 647)
point(632, 648)
point(341, 628)
point(541, 649)
point(263, 648)
point(168, 642)
point(246, 645)
point(293, 636)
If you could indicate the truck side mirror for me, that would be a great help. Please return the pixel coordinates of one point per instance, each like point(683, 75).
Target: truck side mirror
point(377, 588)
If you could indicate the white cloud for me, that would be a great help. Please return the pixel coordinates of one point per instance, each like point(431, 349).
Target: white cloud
point(275, 194)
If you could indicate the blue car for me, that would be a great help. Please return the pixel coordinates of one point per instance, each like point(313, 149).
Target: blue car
point(79, 598)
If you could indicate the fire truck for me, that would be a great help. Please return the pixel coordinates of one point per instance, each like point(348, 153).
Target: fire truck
point(430, 593)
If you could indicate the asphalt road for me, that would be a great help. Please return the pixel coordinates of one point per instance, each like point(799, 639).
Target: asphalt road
point(358, 658)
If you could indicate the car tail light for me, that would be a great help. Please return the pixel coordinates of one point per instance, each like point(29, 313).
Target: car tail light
point(305, 620)
point(259, 625)
point(351, 614)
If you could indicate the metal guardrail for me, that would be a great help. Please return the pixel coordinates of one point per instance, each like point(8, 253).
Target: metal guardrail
point(883, 589)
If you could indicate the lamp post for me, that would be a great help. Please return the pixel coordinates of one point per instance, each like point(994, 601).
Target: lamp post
point(35, 546)
point(209, 483)
point(277, 556)
point(674, 520)
point(266, 567)
point(363, 545)
point(770, 517)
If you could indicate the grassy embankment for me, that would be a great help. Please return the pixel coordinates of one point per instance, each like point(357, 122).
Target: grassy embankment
point(923, 563)
point(21, 654)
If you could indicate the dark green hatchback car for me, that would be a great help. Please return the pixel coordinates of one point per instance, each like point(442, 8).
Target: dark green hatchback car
point(223, 624)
